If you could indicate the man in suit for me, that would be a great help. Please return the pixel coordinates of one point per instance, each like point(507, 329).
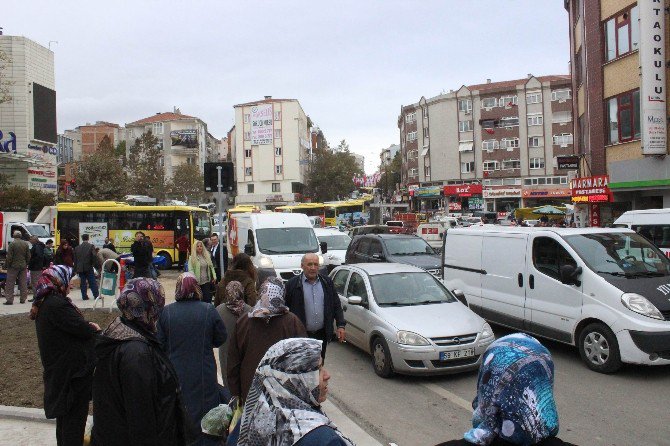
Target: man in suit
point(214, 247)
point(84, 261)
point(311, 296)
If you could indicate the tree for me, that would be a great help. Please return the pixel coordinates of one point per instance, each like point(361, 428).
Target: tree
point(5, 85)
point(120, 151)
point(17, 198)
point(4, 180)
point(187, 183)
point(331, 175)
point(343, 146)
point(390, 175)
point(100, 177)
point(147, 176)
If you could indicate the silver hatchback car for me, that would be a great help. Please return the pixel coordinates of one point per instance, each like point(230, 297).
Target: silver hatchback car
point(408, 321)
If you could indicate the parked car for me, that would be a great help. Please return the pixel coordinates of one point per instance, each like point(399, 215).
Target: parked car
point(337, 243)
point(408, 321)
point(369, 229)
point(394, 248)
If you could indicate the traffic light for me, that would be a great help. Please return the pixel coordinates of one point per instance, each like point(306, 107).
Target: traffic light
point(227, 177)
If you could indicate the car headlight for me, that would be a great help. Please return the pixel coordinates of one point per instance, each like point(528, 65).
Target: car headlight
point(487, 331)
point(641, 305)
point(321, 261)
point(266, 262)
point(409, 338)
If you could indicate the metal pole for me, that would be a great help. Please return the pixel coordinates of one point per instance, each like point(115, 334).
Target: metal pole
point(219, 205)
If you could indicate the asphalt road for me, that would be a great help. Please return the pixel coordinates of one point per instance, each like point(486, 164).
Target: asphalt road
point(629, 408)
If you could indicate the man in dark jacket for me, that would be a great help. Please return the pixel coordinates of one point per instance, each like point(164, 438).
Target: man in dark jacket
point(37, 262)
point(214, 247)
point(142, 255)
point(109, 244)
point(84, 261)
point(311, 296)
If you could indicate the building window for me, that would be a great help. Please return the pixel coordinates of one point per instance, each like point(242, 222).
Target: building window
point(509, 143)
point(509, 101)
point(490, 166)
point(512, 181)
point(468, 167)
point(158, 128)
point(277, 133)
point(247, 136)
point(490, 145)
point(511, 164)
point(247, 171)
point(277, 151)
point(561, 95)
point(534, 98)
point(247, 153)
point(425, 132)
point(534, 141)
point(466, 146)
point(425, 112)
point(277, 116)
point(410, 117)
point(488, 124)
point(250, 188)
point(535, 120)
point(161, 162)
point(622, 34)
point(246, 118)
point(464, 126)
point(276, 187)
point(579, 67)
point(536, 163)
point(510, 121)
point(279, 169)
point(563, 139)
point(465, 105)
point(582, 133)
point(561, 117)
point(493, 182)
point(489, 102)
point(411, 136)
point(426, 171)
point(413, 172)
point(623, 117)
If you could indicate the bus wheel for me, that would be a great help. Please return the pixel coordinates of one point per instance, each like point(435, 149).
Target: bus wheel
point(168, 260)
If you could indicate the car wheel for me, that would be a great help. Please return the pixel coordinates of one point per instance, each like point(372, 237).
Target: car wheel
point(168, 260)
point(599, 348)
point(381, 358)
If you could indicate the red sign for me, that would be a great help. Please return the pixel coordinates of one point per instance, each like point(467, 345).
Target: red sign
point(463, 190)
point(591, 189)
point(594, 216)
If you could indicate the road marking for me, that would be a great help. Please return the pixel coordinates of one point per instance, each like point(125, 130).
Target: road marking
point(444, 393)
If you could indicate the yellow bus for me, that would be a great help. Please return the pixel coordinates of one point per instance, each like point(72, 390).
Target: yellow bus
point(240, 208)
point(347, 212)
point(120, 222)
point(309, 209)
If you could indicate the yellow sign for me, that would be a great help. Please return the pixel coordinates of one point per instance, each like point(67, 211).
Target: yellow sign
point(160, 239)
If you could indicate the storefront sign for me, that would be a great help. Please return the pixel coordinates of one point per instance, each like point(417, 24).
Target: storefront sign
point(455, 206)
point(591, 189)
point(273, 198)
point(261, 124)
point(594, 217)
point(653, 68)
point(9, 145)
point(42, 173)
point(428, 192)
point(568, 162)
point(463, 190)
point(39, 180)
point(545, 193)
point(51, 150)
point(501, 193)
point(476, 204)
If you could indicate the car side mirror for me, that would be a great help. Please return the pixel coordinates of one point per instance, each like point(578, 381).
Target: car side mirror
point(324, 247)
point(249, 250)
point(570, 275)
point(355, 300)
point(460, 296)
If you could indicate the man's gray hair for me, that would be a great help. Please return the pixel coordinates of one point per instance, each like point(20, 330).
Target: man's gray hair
point(304, 257)
point(17, 234)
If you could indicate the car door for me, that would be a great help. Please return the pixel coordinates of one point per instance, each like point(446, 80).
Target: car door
point(357, 315)
point(361, 251)
point(555, 307)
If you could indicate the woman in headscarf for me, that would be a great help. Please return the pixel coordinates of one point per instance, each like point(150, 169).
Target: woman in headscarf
point(242, 270)
point(268, 322)
point(515, 396)
point(284, 403)
point(189, 330)
point(200, 264)
point(66, 343)
point(230, 311)
point(136, 396)
point(64, 254)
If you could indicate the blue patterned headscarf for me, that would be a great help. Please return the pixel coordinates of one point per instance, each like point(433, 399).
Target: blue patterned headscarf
point(142, 301)
point(515, 396)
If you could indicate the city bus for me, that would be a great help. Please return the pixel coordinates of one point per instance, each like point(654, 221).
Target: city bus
point(240, 208)
point(120, 222)
point(346, 212)
point(309, 209)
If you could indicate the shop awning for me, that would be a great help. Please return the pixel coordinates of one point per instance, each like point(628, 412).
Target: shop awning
point(466, 146)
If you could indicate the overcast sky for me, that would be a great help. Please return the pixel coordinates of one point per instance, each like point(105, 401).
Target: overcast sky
point(351, 64)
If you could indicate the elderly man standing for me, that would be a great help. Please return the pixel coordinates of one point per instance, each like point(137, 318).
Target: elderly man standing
point(84, 261)
point(18, 257)
point(311, 296)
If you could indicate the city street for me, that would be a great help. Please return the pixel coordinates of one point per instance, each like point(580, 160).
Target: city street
point(627, 408)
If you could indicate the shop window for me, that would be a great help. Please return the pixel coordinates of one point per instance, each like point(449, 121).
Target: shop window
point(622, 34)
point(623, 117)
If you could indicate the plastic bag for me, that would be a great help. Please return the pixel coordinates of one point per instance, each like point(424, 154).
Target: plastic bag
point(217, 421)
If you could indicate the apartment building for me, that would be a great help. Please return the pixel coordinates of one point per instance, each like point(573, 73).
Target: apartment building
point(618, 52)
point(502, 139)
point(271, 146)
point(386, 156)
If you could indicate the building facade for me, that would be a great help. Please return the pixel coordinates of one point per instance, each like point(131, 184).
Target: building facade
point(618, 52)
point(386, 156)
point(271, 147)
point(29, 141)
point(500, 138)
point(65, 150)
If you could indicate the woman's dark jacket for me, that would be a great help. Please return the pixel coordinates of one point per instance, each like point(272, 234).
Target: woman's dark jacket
point(248, 283)
point(136, 396)
point(66, 343)
point(64, 257)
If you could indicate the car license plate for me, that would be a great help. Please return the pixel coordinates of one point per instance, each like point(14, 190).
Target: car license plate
point(457, 354)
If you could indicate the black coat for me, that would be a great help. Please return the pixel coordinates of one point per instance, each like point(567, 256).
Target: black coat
point(142, 257)
point(37, 258)
point(66, 343)
point(215, 260)
point(295, 301)
point(553, 441)
point(136, 396)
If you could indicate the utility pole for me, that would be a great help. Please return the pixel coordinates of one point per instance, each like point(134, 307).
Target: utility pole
point(219, 205)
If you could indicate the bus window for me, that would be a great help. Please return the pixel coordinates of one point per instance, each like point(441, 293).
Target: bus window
point(202, 227)
point(182, 225)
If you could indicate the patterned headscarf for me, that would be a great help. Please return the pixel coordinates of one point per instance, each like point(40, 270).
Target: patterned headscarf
point(142, 301)
point(283, 402)
point(515, 396)
point(271, 299)
point(54, 280)
point(235, 297)
point(187, 288)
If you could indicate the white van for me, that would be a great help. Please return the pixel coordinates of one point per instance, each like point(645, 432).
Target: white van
point(275, 241)
point(603, 290)
point(433, 232)
point(654, 224)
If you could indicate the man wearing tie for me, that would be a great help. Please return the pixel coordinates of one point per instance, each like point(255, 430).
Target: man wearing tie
point(214, 247)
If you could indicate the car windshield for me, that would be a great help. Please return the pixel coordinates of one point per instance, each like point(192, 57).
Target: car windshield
point(336, 242)
point(287, 240)
point(408, 246)
point(38, 231)
point(419, 288)
point(620, 254)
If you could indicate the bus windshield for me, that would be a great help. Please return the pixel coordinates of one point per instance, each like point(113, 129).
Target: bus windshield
point(287, 240)
point(202, 225)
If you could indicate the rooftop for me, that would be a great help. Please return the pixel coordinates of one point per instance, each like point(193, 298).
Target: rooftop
point(162, 117)
point(265, 101)
point(513, 83)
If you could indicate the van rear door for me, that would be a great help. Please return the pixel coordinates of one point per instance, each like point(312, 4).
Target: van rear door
point(462, 267)
point(503, 291)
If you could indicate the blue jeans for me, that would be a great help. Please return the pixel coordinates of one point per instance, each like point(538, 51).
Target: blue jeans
point(90, 277)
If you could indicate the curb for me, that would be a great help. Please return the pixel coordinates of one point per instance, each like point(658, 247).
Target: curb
point(24, 414)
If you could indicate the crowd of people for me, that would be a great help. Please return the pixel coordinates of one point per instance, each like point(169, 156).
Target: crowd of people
point(152, 374)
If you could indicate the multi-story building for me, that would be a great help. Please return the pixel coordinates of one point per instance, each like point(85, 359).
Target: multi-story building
point(386, 156)
point(28, 144)
point(271, 146)
point(319, 141)
point(502, 138)
point(65, 150)
point(360, 161)
point(618, 52)
point(75, 136)
point(182, 138)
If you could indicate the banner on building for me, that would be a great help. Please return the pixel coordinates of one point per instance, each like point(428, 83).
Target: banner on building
point(366, 180)
point(428, 192)
point(261, 124)
point(653, 116)
point(567, 162)
point(187, 138)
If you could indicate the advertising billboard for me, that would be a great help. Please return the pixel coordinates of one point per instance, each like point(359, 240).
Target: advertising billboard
point(187, 138)
point(261, 124)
